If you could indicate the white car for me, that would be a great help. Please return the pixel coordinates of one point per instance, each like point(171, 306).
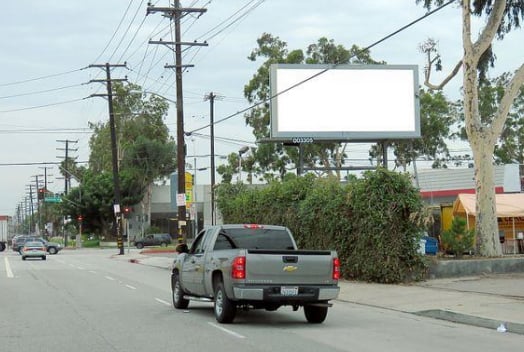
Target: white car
point(32, 249)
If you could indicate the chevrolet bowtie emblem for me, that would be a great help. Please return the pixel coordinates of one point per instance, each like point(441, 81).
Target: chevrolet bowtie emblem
point(289, 268)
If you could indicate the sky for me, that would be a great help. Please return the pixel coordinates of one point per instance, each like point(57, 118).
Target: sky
point(47, 47)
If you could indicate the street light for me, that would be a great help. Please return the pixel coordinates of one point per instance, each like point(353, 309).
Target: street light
point(241, 151)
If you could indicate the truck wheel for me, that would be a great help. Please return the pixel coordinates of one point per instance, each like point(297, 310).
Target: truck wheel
point(2, 247)
point(314, 314)
point(225, 310)
point(52, 250)
point(139, 245)
point(179, 302)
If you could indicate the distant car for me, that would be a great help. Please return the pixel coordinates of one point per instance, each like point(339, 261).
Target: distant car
point(51, 247)
point(157, 239)
point(33, 249)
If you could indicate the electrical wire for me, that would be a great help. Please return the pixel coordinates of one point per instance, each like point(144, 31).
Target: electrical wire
point(43, 106)
point(329, 68)
point(41, 91)
point(40, 78)
point(115, 32)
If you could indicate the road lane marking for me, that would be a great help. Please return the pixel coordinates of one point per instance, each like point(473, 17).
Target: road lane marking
point(131, 287)
point(110, 278)
point(8, 269)
point(162, 301)
point(92, 271)
point(230, 332)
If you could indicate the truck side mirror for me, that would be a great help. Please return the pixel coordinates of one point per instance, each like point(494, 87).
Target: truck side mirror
point(181, 248)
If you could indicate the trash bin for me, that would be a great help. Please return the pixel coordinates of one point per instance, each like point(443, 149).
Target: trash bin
point(430, 245)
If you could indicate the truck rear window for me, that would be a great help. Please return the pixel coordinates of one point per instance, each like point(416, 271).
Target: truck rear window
point(259, 238)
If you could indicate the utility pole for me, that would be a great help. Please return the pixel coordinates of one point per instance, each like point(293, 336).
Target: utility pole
point(211, 97)
point(45, 194)
point(175, 14)
point(67, 149)
point(39, 223)
point(114, 152)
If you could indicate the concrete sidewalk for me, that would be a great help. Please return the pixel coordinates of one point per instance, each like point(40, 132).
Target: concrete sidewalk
point(487, 301)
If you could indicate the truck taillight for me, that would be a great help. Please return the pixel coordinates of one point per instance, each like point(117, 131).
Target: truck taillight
point(238, 268)
point(336, 269)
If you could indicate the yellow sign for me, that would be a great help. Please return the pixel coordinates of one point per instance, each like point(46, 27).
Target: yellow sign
point(189, 189)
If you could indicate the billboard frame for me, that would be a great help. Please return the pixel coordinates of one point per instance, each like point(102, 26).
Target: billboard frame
point(314, 74)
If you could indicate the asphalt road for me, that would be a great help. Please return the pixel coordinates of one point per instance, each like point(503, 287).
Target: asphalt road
point(86, 301)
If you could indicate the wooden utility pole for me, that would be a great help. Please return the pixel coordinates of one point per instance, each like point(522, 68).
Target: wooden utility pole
point(114, 152)
point(211, 97)
point(175, 14)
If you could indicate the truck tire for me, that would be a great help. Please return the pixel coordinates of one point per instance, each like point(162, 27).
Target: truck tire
point(52, 250)
point(2, 246)
point(225, 309)
point(179, 302)
point(139, 245)
point(315, 314)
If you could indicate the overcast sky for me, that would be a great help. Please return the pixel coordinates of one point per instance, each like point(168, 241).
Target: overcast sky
point(47, 45)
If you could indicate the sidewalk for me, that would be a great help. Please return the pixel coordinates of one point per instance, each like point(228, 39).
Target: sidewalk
point(485, 301)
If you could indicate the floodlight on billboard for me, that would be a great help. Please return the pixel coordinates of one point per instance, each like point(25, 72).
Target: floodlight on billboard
point(344, 102)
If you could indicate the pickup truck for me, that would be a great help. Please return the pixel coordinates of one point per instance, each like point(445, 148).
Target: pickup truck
point(238, 266)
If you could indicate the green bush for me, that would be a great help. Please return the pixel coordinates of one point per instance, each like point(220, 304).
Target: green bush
point(373, 222)
point(458, 240)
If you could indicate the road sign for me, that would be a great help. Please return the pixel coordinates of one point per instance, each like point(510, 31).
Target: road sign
point(53, 200)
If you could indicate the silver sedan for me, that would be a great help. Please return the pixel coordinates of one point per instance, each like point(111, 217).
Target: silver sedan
point(33, 249)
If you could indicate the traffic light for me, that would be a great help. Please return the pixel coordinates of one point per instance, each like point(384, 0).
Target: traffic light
point(127, 211)
point(41, 193)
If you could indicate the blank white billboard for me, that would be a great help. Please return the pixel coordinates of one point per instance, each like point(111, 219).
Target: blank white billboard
point(344, 102)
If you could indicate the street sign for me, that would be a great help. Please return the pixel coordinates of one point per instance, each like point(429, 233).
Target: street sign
point(53, 200)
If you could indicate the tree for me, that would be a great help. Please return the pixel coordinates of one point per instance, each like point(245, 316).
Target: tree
point(502, 17)
point(146, 153)
point(437, 116)
point(271, 161)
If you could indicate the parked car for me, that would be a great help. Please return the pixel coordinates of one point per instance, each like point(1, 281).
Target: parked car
point(33, 249)
point(51, 247)
point(157, 239)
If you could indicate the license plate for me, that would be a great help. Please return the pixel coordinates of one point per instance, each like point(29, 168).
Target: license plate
point(289, 290)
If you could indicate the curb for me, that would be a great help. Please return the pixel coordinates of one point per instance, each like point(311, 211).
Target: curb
point(471, 320)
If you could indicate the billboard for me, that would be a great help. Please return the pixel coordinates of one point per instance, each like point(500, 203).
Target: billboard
point(344, 102)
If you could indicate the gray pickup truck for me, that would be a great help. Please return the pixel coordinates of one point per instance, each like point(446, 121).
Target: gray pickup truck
point(254, 267)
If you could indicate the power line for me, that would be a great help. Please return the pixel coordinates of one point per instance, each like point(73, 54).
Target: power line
point(43, 106)
point(41, 91)
point(329, 68)
point(40, 78)
point(115, 32)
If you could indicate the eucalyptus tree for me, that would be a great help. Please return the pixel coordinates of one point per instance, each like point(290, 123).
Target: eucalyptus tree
point(501, 17)
point(146, 152)
point(439, 120)
point(269, 161)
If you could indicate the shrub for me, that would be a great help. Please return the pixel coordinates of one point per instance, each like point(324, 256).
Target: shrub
point(458, 240)
point(374, 223)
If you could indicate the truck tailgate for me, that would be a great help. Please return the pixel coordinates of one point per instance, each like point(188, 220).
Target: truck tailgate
point(289, 267)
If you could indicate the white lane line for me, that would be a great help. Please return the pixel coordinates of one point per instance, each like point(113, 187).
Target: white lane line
point(131, 287)
point(80, 268)
point(110, 278)
point(8, 269)
point(230, 332)
point(162, 301)
point(92, 271)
